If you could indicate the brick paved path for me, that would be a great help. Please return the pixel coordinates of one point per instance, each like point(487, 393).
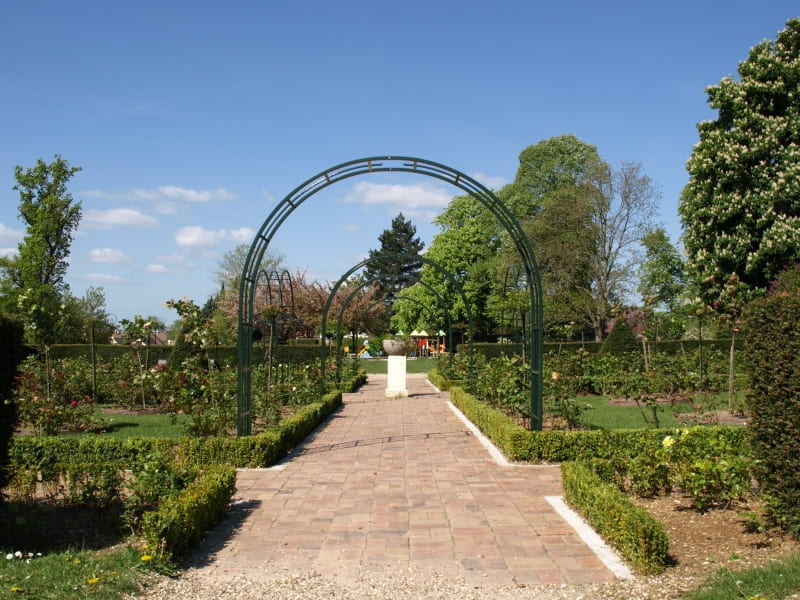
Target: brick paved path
point(401, 485)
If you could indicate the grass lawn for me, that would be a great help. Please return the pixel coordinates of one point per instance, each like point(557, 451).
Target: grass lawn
point(128, 425)
point(599, 415)
point(72, 574)
point(379, 366)
point(778, 580)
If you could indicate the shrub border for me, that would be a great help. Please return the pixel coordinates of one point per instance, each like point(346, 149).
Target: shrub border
point(636, 535)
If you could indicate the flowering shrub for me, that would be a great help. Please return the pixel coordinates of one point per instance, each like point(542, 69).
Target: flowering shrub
point(560, 397)
point(206, 396)
point(64, 403)
point(709, 468)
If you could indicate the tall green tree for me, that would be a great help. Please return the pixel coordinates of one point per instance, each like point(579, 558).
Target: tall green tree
point(546, 167)
point(466, 248)
point(552, 196)
point(392, 274)
point(85, 318)
point(740, 209)
point(563, 234)
point(661, 275)
point(51, 217)
point(586, 221)
point(47, 209)
point(662, 285)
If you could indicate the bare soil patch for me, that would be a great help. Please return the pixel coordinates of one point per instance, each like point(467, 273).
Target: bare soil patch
point(702, 543)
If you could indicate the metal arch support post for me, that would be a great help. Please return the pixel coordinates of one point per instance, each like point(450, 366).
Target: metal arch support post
point(378, 164)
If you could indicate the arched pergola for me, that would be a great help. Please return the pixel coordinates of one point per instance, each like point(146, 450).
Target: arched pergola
point(384, 256)
point(385, 164)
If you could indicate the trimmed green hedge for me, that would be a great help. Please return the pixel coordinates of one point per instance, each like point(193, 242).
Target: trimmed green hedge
point(519, 444)
point(772, 361)
point(222, 355)
point(636, 535)
point(90, 470)
point(179, 523)
point(442, 383)
point(50, 456)
point(491, 350)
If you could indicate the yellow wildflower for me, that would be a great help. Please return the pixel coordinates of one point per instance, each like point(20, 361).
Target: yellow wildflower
point(93, 580)
point(16, 590)
point(668, 441)
point(146, 558)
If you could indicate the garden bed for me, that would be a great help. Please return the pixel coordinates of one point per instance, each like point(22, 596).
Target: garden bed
point(702, 543)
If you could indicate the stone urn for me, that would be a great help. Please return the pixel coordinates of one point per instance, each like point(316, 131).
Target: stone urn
point(395, 347)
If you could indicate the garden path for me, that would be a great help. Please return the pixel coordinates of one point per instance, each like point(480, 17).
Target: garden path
point(398, 486)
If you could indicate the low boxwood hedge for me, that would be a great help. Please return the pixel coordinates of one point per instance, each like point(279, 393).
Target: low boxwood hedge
point(179, 523)
point(48, 457)
point(519, 444)
point(636, 535)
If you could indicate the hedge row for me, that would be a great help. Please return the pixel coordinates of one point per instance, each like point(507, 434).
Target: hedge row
point(222, 355)
point(179, 523)
point(442, 383)
point(773, 366)
point(492, 350)
point(49, 457)
point(636, 535)
point(519, 444)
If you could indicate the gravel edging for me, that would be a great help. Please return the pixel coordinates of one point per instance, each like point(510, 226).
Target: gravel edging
point(194, 585)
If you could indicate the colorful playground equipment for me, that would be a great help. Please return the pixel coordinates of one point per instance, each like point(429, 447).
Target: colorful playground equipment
point(365, 349)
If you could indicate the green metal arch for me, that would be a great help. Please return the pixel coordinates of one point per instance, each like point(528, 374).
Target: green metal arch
point(378, 164)
point(377, 258)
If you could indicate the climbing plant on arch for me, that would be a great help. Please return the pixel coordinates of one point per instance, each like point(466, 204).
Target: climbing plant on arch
point(384, 164)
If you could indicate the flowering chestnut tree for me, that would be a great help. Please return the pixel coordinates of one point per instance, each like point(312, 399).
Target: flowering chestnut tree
point(741, 207)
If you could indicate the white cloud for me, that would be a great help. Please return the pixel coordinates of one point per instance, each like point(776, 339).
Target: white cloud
point(104, 278)
point(106, 219)
point(172, 258)
point(241, 235)
point(109, 255)
point(156, 268)
point(491, 182)
point(350, 228)
point(413, 200)
point(199, 237)
point(165, 208)
point(8, 252)
point(178, 193)
point(164, 193)
point(170, 263)
point(9, 235)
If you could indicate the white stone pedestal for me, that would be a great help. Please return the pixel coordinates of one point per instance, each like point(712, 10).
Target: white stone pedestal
point(396, 384)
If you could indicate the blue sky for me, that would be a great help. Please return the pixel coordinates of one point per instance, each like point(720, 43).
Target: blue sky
point(191, 120)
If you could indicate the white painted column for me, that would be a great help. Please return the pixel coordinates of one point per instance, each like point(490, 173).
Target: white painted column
point(396, 384)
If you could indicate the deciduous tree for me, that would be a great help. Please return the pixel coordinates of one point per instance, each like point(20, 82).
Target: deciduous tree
point(51, 217)
point(741, 207)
